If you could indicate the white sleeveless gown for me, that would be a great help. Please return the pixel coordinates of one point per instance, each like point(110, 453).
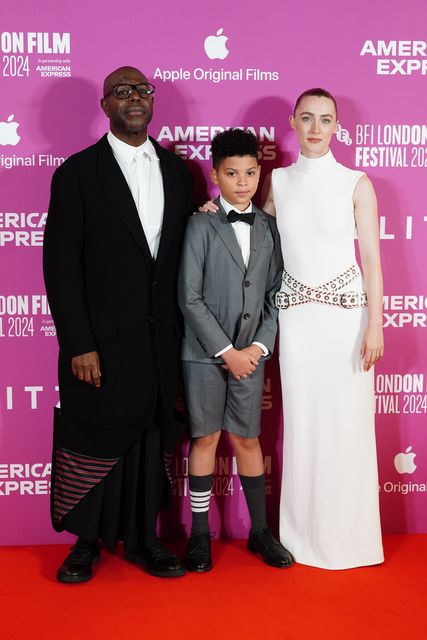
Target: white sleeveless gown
point(329, 508)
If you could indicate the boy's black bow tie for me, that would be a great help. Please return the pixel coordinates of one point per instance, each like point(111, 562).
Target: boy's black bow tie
point(235, 216)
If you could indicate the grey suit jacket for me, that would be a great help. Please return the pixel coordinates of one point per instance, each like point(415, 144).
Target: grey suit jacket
point(222, 301)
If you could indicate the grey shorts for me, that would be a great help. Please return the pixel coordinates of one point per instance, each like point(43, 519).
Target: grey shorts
point(215, 400)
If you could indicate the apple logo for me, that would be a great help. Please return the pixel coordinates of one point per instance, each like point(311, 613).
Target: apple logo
point(8, 133)
point(215, 46)
point(404, 462)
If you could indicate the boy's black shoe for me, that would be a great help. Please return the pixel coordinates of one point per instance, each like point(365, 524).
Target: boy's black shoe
point(77, 566)
point(198, 555)
point(158, 561)
point(272, 551)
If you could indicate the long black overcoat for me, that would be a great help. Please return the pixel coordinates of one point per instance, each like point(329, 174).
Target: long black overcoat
point(107, 294)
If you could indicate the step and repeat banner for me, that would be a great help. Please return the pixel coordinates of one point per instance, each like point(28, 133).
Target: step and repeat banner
point(215, 66)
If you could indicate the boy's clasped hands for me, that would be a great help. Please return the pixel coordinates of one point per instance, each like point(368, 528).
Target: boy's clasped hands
point(242, 362)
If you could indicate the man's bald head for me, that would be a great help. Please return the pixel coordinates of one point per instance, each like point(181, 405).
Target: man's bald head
point(129, 116)
point(128, 75)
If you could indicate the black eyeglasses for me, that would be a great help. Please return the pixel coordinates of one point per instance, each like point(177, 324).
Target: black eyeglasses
point(122, 91)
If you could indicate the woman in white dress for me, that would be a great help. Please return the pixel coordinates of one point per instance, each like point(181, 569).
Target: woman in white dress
point(329, 342)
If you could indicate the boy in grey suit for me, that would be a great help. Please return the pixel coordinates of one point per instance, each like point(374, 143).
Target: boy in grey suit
point(230, 271)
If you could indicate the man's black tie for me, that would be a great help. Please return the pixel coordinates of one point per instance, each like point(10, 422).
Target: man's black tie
point(235, 216)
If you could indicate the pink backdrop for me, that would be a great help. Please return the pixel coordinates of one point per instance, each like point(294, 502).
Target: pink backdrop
point(53, 61)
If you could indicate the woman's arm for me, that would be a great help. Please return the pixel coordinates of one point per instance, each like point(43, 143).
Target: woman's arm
point(267, 197)
point(366, 215)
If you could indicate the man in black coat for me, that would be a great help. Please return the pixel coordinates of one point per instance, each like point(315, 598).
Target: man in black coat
point(112, 243)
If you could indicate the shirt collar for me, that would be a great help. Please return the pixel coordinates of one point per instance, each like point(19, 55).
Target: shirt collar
point(127, 152)
point(229, 207)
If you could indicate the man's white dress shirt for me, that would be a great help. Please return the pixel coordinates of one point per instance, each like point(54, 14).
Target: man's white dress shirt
point(141, 168)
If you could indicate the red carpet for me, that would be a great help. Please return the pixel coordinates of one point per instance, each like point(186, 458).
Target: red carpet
point(240, 599)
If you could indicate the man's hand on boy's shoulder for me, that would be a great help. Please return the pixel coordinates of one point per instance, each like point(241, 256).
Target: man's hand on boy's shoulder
point(209, 207)
point(241, 363)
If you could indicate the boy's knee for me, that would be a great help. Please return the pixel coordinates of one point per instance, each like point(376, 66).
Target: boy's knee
point(207, 442)
point(245, 444)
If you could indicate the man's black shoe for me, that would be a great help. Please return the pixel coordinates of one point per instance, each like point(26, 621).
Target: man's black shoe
point(198, 555)
point(273, 553)
point(77, 566)
point(158, 561)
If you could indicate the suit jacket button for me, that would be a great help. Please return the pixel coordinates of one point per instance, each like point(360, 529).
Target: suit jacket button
point(246, 316)
point(154, 283)
point(247, 283)
point(150, 318)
